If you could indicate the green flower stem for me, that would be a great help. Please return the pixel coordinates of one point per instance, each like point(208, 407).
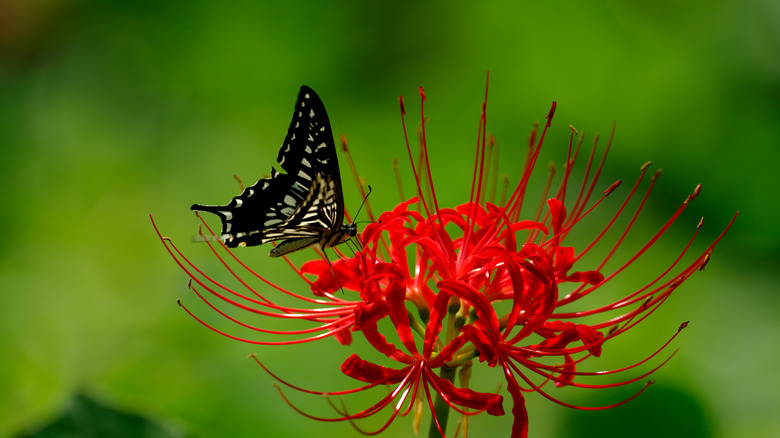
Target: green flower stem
point(440, 407)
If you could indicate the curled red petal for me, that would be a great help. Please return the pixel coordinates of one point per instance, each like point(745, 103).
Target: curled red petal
point(593, 339)
point(484, 341)
point(485, 401)
point(558, 214)
point(519, 412)
point(589, 277)
point(483, 308)
point(368, 372)
point(367, 314)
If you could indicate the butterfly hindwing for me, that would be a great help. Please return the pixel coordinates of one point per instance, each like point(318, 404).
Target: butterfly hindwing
point(304, 203)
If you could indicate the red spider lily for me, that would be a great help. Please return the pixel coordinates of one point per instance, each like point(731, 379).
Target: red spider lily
point(486, 282)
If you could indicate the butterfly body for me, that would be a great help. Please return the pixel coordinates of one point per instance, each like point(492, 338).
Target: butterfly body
point(303, 205)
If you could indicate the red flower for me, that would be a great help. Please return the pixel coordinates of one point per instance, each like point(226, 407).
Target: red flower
point(488, 281)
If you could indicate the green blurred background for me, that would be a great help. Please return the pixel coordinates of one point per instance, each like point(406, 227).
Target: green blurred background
point(112, 110)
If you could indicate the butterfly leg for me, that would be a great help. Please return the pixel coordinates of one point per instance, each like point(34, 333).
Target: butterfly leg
point(325, 253)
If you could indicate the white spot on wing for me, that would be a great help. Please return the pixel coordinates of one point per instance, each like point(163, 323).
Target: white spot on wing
point(305, 162)
point(304, 175)
point(289, 200)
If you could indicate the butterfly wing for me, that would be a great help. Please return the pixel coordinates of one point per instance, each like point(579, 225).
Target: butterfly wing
point(303, 202)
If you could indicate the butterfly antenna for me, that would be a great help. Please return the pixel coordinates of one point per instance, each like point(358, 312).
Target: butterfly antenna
point(359, 247)
point(364, 202)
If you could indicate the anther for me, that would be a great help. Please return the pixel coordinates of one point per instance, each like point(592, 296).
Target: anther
point(240, 183)
point(611, 188)
point(696, 191)
point(552, 112)
point(343, 139)
point(705, 261)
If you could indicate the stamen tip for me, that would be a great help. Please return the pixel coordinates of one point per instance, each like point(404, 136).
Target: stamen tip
point(701, 222)
point(189, 284)
point(401, 103)
point(552, 111)
point(612, 188)
point(696, 192)
point(683, 325)
point(705, 261)
point(343, 139)
point(646, 165)
point(574, 129)
point(240, 182)
point(657, 174)
point(422, 94)
point(178, 301)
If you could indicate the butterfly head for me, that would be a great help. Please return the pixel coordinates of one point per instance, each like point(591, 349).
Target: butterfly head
point(351, 230)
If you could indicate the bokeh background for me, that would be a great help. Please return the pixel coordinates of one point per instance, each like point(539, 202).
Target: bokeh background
point(114, 110)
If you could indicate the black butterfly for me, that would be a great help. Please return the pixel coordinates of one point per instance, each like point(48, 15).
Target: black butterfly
point(303, 206)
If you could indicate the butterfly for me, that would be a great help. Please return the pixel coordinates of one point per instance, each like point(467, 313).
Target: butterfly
point(301, 206)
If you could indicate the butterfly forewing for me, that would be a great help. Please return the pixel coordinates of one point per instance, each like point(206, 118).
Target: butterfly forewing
point(304, 202)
